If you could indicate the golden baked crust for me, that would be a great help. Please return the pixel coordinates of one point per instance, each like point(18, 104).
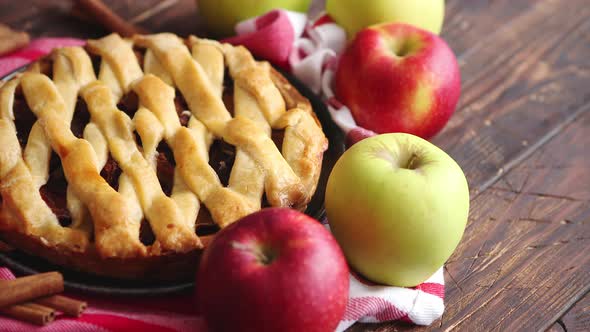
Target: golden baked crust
point(106, 222)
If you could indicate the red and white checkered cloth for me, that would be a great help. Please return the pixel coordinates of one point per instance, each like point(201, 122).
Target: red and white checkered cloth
point(309, 50)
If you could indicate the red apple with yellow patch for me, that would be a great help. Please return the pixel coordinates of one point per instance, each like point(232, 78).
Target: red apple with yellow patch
point(399, 78)
point(274, 270)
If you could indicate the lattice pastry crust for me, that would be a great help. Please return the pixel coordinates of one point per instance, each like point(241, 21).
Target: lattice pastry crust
point(106, 221)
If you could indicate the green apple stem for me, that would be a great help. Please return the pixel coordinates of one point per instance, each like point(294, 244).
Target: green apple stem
point(412, 163)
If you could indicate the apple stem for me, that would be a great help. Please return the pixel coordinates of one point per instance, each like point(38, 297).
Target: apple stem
point(412, 162)
point(260, 255)
point(264, 259)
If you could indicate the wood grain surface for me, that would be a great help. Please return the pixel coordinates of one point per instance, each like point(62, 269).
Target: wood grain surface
point(578, 317)
point(521, 133)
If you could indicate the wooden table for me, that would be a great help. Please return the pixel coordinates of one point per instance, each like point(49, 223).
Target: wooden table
point(521, 133)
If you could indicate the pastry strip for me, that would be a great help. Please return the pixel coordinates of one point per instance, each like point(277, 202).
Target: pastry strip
point(189, 147)
point(190, 78)
point(282, 186)
point(107, 207)
point(157, 100)
point(303, 147)
point(72, 69)
point(162, 213)
point(118, 54)
point(254, 77)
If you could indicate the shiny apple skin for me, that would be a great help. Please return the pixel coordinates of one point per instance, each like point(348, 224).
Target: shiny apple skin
point(398, 205)
point(275, 270)
point(414, 93)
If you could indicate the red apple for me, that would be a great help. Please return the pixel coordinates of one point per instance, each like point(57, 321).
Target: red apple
point(274, 270)
point(399, 78)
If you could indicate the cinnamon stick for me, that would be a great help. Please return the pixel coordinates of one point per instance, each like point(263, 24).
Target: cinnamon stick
point(31, 287)
point(30, 312)
point(64, 304)
point(98, 11)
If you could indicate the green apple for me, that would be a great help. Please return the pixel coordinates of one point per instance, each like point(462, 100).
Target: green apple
point(355, 15)
point(398, 206)
point(222, 15)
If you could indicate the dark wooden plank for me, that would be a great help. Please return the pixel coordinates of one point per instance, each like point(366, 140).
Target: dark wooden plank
point(44, 18)
point(180, 18)
point(577, 319)
point(470, 25)
point(54, 18)
point(381, 327)
point(523, 260)
point(532, 80)
point(531, 91)
point(557, 327)
point(515, 104)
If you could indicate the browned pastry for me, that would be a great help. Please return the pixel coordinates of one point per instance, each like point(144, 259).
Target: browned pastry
point(122, 158)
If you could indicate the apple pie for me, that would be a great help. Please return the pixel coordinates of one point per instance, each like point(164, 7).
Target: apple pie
point(124, 157)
